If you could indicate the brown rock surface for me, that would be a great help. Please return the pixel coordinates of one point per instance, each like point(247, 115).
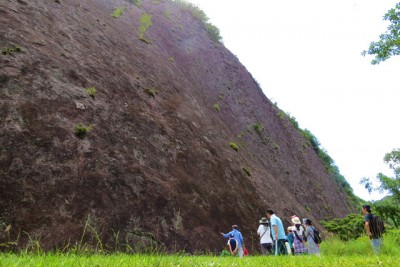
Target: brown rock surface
point(152, 168)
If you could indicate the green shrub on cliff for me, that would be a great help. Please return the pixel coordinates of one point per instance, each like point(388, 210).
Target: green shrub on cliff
point(145, 23)
point(91, 91)
point(234, 146)
point(12, 49)
point(137, 3)
point(119, 11)
point(81, 130)
point(199, 14)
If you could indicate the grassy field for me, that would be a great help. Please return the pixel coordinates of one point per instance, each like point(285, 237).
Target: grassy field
point(334, 253)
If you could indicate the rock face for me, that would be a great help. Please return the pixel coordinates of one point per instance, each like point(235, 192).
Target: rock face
point(155, 166)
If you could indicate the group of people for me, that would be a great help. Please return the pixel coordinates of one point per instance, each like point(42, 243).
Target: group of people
point(300, 238)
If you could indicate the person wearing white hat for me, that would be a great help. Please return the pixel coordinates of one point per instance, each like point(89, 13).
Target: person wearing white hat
point(299, 243)
point(264, 231)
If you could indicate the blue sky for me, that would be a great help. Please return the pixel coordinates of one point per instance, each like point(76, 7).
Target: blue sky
point(306, 57)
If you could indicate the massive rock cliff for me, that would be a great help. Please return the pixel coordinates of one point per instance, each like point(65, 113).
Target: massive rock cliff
point(155, 165)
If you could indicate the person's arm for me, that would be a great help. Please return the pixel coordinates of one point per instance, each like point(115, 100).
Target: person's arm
point(367, 228)
point(307, 234)
point(225, 235)
point(230, 248)
point(367, 225)
point(237, 245)
point(276, 232)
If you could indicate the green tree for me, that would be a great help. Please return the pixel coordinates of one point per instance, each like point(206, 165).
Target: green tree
point(389, 207)
point(389, 42)
point(389, 210)
point(387, 183)
point(349, 227)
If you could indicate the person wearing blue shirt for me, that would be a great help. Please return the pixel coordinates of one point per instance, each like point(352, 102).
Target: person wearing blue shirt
point(278, 233)
point(238, 236)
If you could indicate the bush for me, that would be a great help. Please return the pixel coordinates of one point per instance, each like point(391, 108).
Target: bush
point(137, 3)
point(81, 131)
point(347, 228)
point(151, 92)
point(247, 171)
point(12, 49)
point(145, 23)
point(91, 91)
point(213, 32)
point(217, 107)
point(199, 14)
point(258, 127)
point(118, 12)
point(234, 146)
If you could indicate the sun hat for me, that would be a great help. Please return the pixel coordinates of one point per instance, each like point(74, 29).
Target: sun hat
point(296, 220)
point(264, 220)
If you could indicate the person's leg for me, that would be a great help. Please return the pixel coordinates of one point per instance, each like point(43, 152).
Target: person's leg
point(281, 247)
point(240, 252)
point(268, 247)
point(263, 249)
point(376, 245)
point(275, 247)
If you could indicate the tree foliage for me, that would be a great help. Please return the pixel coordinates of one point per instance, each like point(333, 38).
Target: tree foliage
point(389, 42)
point(197, 13)
point(349, 227)
point(389, 207)
point(389, 210)
point(387, 183)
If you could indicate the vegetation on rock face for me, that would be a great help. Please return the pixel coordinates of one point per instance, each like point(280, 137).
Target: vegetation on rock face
point(234, 146)
point(145, 23)
point(151, 92)
point(389, 42)
point(91, 91)
point(199, 14)
point(213, 32)
point(258, 127)
point(217, 107)
point(137, 3)
point(119, 11)
point(247, 171)
point(81, 131)
point(12, 49)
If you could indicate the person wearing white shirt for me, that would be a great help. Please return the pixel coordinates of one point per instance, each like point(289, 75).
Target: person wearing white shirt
point(264, 231)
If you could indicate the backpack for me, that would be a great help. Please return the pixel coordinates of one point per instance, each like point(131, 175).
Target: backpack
point(376, 226)
point(317, 236)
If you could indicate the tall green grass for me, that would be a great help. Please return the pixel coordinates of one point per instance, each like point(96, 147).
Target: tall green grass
point(39, 260)
point(334, 252)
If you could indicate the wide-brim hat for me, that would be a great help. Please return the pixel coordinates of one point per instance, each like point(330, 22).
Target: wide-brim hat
point(296, 220)
point(264, 220)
